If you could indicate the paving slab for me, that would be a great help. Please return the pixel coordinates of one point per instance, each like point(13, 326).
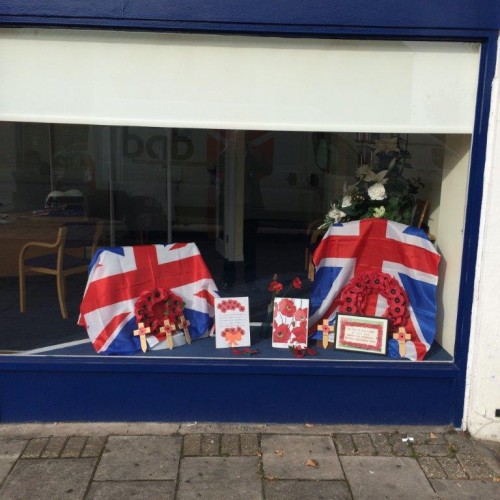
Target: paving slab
point(449, 489)
point(136, 490)
point(298, 490)
point(35, 447)
point(285, 457)
point(94, 446)
point(386, 477)
point(382, 445)
point(48, 479)
point(73, 447)
point(363, 444)
point(130, 458)
point(475, 466)
point(230, 445)
point(10, 451)
point(219, 477)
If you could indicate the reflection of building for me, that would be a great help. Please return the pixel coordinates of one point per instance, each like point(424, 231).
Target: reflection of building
point(342, 86)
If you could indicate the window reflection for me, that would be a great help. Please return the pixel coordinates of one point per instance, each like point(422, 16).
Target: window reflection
point(248, 199)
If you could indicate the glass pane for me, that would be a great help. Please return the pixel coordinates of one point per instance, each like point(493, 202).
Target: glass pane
point(250, 200)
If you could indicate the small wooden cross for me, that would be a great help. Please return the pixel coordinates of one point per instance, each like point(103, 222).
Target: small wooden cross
point(401, 336)
point(141, 331)
point(168, 329)
point(183, 325)
point(326, 329)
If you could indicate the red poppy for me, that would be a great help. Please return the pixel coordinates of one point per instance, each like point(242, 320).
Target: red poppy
point(300, 314)
point(275, 286)
point(296, 283)
point(300, 334)
point(281, 333)
point(287, 307)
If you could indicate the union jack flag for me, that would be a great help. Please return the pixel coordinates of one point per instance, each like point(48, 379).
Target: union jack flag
point(118, 275)
point(378, 245)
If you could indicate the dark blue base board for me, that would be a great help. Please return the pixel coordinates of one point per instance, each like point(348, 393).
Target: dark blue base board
point(172, 390)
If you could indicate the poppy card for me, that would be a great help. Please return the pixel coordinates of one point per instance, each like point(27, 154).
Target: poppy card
point(290, 319)
point(232, 322)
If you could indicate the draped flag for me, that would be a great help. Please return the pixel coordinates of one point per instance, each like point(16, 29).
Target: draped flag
point(380, 246)
point(117, 277)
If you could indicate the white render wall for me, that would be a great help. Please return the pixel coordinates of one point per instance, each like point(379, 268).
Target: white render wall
point(482, 396)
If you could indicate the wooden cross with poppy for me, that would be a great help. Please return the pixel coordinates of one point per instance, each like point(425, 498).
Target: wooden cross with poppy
point(168, 329)
point(326, 329)
point(183, 325)
point(401, 336)
point(141, 332)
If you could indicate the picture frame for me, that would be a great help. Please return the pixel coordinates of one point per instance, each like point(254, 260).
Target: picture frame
point(361, 333)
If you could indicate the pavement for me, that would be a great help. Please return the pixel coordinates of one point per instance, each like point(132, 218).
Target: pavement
point(244, 461)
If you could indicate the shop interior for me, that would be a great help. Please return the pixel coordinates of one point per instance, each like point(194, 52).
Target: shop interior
point(252, 202)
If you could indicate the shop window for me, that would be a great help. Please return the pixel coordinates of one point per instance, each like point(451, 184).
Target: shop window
point(237, 144)
point(250, 201)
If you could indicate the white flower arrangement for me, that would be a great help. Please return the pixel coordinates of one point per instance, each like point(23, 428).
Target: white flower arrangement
point(381, 189)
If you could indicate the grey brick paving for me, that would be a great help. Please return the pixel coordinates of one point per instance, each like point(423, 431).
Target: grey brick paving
point(48, 479)
point(139, 458)
point(399, 447)
point(210, 445)
point(233, 478)
point(465, 490)
point(299, 490)
point(35, 447)
point(382, 445)
point(363, 444)
point(386, 477)
point(430, 438)
point(136, 490)
point(286, 457)
point(460, 441)
point(344, 444)
point(54, 447)
point(475, 467)
point(249, 444)
point(240, 461)
point(192, 445)
point(230, 445)
point(73, 447)
point(94, 446)
point(431, 467)
point(432, 450)
point(452, 468)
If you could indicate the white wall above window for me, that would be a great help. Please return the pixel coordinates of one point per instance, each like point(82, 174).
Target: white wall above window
point(237, 82)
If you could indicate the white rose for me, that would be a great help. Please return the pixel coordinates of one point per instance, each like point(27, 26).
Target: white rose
point(379, 212)
point(346, 201)
point(335, 214)
point(377, 192)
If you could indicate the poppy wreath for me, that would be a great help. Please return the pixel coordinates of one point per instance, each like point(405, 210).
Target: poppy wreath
point(353, 297)
point(155, 305)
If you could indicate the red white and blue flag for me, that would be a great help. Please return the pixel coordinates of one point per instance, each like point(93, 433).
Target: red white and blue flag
point(117, 277)
point(378, 245)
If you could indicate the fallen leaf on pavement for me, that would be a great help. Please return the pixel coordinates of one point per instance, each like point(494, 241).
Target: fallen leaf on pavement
point(309, 425)
point(312, 463)
point(433, 436)
point(280, 453)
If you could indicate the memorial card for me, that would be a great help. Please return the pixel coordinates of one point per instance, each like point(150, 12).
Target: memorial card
point(290, 319)
point(232, 322)
point(361, 333)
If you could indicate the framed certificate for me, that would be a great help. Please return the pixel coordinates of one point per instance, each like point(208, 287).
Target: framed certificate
point(362, 333)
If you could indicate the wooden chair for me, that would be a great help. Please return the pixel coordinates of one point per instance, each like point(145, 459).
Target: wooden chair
point(57, 261)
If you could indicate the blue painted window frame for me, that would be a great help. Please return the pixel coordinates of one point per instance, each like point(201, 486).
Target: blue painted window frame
point(58, 388)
